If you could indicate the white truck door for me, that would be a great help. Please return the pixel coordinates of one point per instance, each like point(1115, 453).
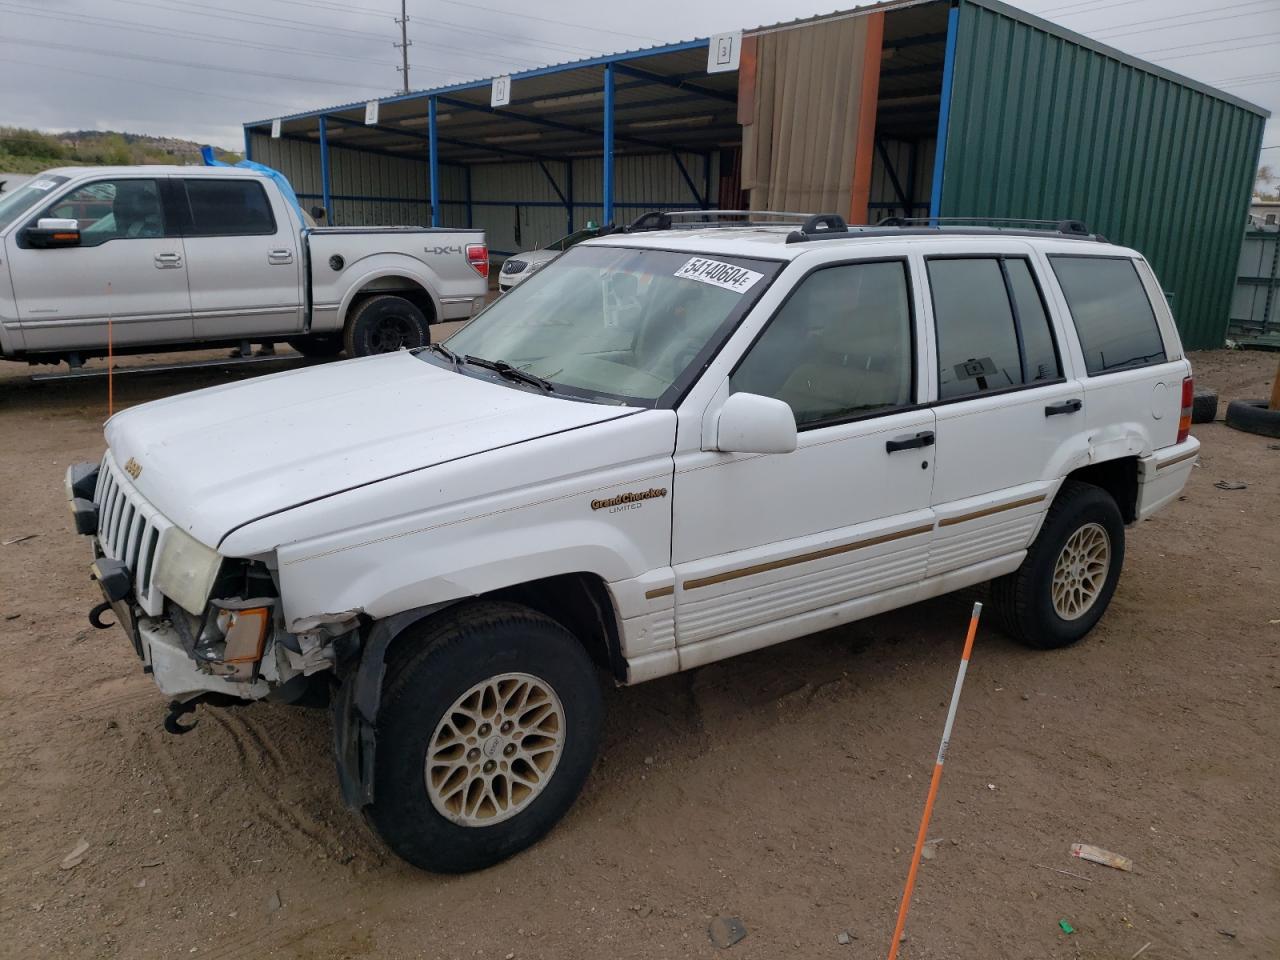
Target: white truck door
point(761, 541)
point(242, 259)
point(128, 270)
point(1008, 413)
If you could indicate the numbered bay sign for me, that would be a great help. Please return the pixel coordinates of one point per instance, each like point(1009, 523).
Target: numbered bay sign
point(500, 93)
point(724, 52)
point(371, 113)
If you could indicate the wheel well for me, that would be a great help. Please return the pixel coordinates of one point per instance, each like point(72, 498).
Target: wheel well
point(579, 601)
point(411, 290)
point(1119, 478)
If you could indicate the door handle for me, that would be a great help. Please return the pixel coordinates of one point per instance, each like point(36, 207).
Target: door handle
point(1066, 406)
point(922, 439)
point(167, 261)
point(280, 255)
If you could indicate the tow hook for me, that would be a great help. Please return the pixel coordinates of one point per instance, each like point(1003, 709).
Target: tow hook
point(95, 615)
point(180, 708)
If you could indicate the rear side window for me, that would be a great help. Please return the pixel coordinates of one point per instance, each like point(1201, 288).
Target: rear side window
point(229, 208)
point(993, 332)
point(839, 348)
point(1112, 314)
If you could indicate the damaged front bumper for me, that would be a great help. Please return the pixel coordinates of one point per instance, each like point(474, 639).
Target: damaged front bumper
point(234, 647)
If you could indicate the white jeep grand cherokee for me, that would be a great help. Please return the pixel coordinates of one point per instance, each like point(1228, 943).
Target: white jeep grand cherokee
point(671, 446)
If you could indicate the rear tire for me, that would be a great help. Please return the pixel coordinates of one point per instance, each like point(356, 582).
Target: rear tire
point(318, 345)
point(467, 773)
point(385, 324)
point(1070, 572)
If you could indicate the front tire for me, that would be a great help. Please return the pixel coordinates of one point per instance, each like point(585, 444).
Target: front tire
point(1070, 572)
point(489, 725)
point(385, 324)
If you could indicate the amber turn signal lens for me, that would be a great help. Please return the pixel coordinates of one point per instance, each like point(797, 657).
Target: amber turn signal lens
point(246, 634)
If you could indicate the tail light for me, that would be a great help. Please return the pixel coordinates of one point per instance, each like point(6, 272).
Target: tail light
point(1188, 398)
point(478, 257)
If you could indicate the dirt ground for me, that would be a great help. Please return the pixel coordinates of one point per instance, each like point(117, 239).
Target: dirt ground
point(783, 787)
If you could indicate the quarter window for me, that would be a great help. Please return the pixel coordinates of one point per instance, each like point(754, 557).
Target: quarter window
point(840, 347)
point(113, 210)
point(1112, 314)
point(993, 331)
point(229, 208)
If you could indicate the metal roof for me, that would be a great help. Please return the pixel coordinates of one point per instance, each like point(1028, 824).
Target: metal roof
point(664, 98)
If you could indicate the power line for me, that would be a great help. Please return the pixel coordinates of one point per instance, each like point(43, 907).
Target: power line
point(1146, 25)
point(1096, 5)
point(203, 10)
point(1205, 53)
point(558, 23)
point(341, 34)
point(138, 57)
point(133, 25)
point(1206, 43)
point(148, 83)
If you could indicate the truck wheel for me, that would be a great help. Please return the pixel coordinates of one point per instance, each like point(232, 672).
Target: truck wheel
point(385, 324)
point(318, 345)
point(1069, 575)
point(1252, 416)
point(488, 728)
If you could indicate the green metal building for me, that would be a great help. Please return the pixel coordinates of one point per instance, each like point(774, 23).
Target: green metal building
point(1046, 122)
point(962, 108)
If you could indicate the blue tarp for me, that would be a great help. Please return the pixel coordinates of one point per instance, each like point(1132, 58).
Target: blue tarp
point(206, 152)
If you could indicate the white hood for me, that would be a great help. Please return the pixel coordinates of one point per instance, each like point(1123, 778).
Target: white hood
point(214, 459)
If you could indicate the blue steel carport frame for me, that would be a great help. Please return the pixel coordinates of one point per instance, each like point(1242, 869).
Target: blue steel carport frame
point(433, 160)
point(944, 113)
point(324, 171)
point(612, 64)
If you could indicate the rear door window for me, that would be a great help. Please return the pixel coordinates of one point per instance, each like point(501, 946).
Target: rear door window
point(228, 208)
point(993, 331)
point(1112, 314)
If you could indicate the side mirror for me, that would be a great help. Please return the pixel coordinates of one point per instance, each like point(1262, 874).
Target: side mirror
point(53, 232)
point(750, 423)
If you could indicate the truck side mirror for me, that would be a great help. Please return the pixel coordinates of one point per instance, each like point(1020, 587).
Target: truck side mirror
point(53, 232)
point(750, 423)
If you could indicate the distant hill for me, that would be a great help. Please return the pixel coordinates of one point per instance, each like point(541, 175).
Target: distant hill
point(30, 151)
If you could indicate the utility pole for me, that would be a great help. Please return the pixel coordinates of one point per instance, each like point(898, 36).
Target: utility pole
point(404, 44)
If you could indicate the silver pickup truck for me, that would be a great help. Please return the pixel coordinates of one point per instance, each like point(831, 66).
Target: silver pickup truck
point(171, 258)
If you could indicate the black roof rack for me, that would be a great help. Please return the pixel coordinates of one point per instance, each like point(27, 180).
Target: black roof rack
point(700, 219)
point(831, 226)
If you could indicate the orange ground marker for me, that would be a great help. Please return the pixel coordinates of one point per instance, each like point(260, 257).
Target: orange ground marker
point(934, 782)
point(111, 397)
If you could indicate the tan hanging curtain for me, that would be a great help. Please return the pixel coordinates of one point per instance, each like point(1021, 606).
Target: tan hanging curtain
point(807, 100)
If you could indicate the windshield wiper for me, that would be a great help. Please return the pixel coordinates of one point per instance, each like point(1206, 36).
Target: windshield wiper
point(505, 369)
point(445, 352)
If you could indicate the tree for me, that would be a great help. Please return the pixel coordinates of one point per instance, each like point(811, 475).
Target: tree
point(1266, 177)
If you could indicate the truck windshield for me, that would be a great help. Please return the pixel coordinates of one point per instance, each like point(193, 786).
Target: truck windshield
point(14, 204)
point(617, 324)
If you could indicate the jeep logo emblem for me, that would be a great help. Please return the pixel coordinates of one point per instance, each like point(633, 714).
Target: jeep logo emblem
point(133, 468)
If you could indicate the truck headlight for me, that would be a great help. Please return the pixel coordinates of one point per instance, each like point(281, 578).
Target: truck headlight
point(185, 570)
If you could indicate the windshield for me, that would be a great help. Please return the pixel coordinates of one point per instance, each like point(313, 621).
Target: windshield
point(15, 204)
point(613, 323)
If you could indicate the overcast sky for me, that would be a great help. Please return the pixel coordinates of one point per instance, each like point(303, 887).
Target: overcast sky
point(195, 69)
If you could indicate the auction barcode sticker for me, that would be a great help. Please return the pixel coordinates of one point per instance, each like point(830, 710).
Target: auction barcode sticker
point(727, 276)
